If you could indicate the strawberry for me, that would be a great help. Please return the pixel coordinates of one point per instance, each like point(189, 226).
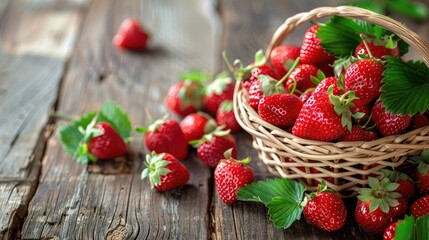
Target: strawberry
point(231, 174)
point(290, 160)
point(366, 110)
point(109, 144)
point(280, 110)
point(185, 97)
point(211, 147)
point(282, 56)
point(305, 96)
point(219, 90)
point(316, 182)
point(257, 71)
point(131, 35)
point(165, 136)
point(311, 50)
point(421, 174)
point(390, 232)
point(164, 171)
point(420, 207)
point(225, 116)
point(419, 120)
point(301, 77)
point(377, 51)
point(373, 210)
point(406, 185)
point(195, 125)
point(387, 123)
point(324, 85)
point(364, 78)
point(358, 133)
point(325, 210)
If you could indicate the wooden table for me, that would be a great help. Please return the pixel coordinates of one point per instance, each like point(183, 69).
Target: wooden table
point(57, 56)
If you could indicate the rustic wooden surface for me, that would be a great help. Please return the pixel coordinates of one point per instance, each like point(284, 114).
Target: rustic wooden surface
point(58, 56)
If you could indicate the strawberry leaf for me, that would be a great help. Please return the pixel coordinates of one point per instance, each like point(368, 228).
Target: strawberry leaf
point(405, 87)
point(405, 228)
point(112, 113)
point(284, 211)
point(422, 225)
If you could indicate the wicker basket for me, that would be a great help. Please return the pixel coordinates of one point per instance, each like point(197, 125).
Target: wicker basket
point(348, 163)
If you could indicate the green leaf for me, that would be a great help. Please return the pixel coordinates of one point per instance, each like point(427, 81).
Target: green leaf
point(284, 211)
point(112, 113)
point(405, 229)
point(370, 5)
point(196, 76)
point(405, 87)
point(265, 191)
point(260, 58)
point(422, 226)
point(415, 10)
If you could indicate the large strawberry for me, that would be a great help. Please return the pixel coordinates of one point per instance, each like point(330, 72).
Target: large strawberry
point(364, 78)
point(280, 110)
point(212, 146)
point(387, 123)
point(406, 185)
point(374, 207)
point(219, 90)
point(358, 133)
point(420, 207)
point(165, 136)
point(311, 50)
point(131, 35)
point(376, 49)
point(164, 171)
point(282, 57)
point(107, 143)
point(300, 78)
point(421, 174)
point(231, 174)
point(195, 125)
point(185, 97)
point(225, 116)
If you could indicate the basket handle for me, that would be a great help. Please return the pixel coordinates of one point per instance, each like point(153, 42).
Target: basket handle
point(388, 23)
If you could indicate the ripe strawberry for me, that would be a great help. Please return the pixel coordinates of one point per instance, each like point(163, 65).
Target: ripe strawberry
point(195, 125)
point(419, 120)
point(324, 85)
point(421, 174)
point(305, 96)
point(164, 171)
point(225, 116)
point(219, 90)
point(364, 78)
point(301, 77)
point(131, 35)
point(109, 144)
point(374, 207)
point(358, 133)
point(281, 110)
point(366, 110)
point(282, 56)
point(257, 71)
point(311, 51)
point(420, 207)
point(390, 232)
point(290, 160)
point(184, 97)
point(165, 136)
point(211, 148)
point(406, 185)
point(377, 51)
point(316, 182)
point(387, 123)
point(325, 210)
point(231, 174)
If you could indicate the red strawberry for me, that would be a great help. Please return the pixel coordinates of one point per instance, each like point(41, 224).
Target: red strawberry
point(131, 35)
point(358, 133)
point(230, 175)
point(290, 160)
point(219, 90)
point(324, 85)
point(420, 207)
point(305, 96)
point(195, 125)
point(184, 97)
point(211, 148)
point(257, 71)
point(225, 116)
point(377, 51)
point(165, 136)
point(387, 123)
point(390, 232)
point(374, 207)
point(364, 78)
point(109, 144)
point(311, 51)
point(366, 110)
point(283, 55)
point(406, 185)
point(280, 110)
point(421, 175)
point(325, 210)
point(419, 120)
point(316, 182)
point(301, 77)
point(164, 171)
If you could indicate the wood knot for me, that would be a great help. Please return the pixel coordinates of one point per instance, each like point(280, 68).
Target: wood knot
point(117, 232)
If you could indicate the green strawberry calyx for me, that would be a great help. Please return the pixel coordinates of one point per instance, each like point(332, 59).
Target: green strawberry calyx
point(394, 176)
point(422, 161)
point(227, 106)
point(218, 132)
point(271, 86)
point(228, 156)
point(191, 93)
point(219, 84)
point(155, 168)
point(153, 126)
point(381, 194)
point(240, 71)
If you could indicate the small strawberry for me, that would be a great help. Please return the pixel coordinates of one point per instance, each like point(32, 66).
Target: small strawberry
point(164, 171)
point(165, 136)
point(211, 147)
point(419, 120)
point(325, 83)
point(231, 174)
point(300, 78)
point(195, 125)
point(387, 123)
point(261, 70)
point(108, 143)
point(406, 185)
point(377, 51)
point(373, 210)
point(364, 78)
point(316, 182)
point(420, 207)
point(311, 50)
point(225, 116)
point(282, 56)
point(358, 133)
point(421, 174)
point(219, 90)
point(366, 110)
point(131, 35)
point(281, 110)
point(390, 232)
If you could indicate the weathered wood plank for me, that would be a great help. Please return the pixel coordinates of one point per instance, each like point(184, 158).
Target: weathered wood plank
point(70, 201)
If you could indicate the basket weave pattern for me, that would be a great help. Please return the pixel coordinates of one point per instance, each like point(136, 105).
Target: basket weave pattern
point(348, 163)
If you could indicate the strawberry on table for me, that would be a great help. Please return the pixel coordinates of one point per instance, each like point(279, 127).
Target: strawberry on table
point(311, 50)
point(225, 116)
point(195, 125)
point(131, 35)
point(387, 123)
point(420, 207)
point(107, 143)
point(231, 174)
point(221, 89)
point(282, 58)
point(164, 171)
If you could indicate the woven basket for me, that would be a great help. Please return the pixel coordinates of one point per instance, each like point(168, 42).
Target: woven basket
point(348, 163)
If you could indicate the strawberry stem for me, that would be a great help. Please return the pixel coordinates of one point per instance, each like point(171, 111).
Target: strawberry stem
point(294, 65)
point(227, 62)
point(366, 46)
